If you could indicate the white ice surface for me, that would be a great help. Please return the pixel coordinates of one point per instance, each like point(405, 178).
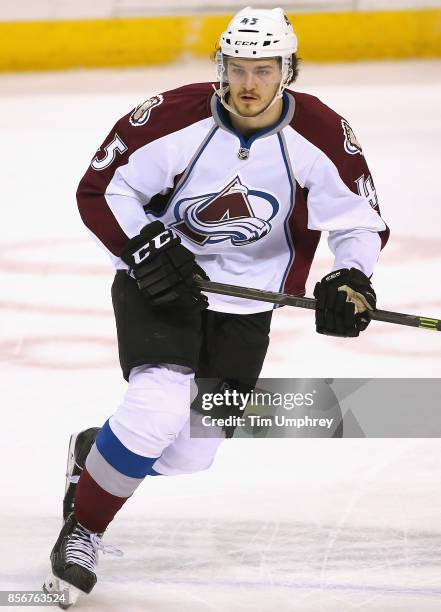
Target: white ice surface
point(294, 525)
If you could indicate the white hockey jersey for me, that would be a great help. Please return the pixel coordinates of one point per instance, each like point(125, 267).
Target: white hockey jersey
point(251, 210)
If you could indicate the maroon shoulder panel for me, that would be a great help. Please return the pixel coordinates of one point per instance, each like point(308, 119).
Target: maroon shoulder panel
point(333, 135)
point(158, 116)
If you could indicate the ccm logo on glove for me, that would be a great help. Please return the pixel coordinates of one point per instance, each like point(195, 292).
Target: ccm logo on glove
point(157, 242)
point(332, 276)
point(164, 269)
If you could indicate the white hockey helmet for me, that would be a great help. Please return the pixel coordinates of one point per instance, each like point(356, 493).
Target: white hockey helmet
point(255, 34)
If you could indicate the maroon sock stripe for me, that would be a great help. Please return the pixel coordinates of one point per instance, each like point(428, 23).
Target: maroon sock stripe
point(94, 507)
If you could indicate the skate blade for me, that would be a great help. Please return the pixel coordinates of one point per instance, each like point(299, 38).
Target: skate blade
point(70, 465)
point(53, 584)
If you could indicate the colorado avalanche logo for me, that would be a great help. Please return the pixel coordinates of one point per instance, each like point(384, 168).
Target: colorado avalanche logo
point(141, 114)
point(351, 144)
point(226, 216)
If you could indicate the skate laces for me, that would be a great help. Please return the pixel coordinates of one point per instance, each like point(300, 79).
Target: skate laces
point(82, 548)
point(105, 548)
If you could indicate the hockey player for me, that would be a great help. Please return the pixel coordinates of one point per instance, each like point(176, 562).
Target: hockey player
point(235, 182)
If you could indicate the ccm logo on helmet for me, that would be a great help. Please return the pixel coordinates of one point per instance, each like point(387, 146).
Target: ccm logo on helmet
point(245, 42)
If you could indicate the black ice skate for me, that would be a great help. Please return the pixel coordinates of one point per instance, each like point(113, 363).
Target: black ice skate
point(74, 559)
point(79, 447)
point(75, 554)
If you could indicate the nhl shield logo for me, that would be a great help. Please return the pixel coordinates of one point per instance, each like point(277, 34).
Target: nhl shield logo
point(351, 144)
point(236, 214)
point(141, 114)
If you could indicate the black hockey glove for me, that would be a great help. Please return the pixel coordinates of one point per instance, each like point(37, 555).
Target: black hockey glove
point(163, 268)
point(344, 298)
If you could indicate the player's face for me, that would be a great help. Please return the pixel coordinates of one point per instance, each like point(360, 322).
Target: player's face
point(253, 84)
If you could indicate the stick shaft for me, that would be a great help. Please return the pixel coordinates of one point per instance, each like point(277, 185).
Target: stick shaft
point(286, 299)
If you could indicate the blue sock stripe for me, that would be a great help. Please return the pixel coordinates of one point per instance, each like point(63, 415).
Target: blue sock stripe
point(121, 458)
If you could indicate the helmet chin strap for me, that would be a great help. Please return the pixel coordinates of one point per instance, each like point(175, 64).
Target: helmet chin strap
point(223, 91)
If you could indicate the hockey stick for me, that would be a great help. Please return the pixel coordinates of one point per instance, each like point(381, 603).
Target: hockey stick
point(285, 299)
